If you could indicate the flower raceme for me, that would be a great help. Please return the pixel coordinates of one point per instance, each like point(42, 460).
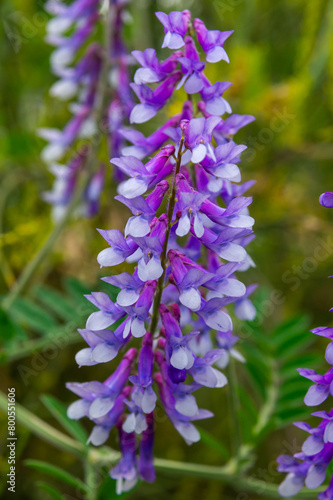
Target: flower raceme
point(187, 234)
point(309, 467)
point(71, 31)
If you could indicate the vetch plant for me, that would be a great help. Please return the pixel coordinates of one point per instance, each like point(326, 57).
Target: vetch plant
point(187, 238)
point(309, 467)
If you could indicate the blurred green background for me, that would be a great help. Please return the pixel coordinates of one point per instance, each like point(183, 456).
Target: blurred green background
point(281, 67)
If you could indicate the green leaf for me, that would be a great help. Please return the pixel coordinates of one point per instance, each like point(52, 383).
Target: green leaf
point(288, 416)
point(213, 443)
point(58, 410)
point(292, 328)
point(30, 315)
point(54, 301)
point(50, 490)
point(10, 331)
point(76, 289)
point(56, 472)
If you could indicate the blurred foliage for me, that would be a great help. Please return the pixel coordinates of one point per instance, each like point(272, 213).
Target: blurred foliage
point(281, 66)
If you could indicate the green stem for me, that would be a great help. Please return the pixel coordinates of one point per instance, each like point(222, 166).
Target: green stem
point(160, 283)
point(106, 456)
point(31, 346)
point(91, 481)
point(44, 430)
point(268, 408)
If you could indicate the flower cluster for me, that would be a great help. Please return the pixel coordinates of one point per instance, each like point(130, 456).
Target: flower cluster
point(309, 467)
point(79, 62)
point(187, 235)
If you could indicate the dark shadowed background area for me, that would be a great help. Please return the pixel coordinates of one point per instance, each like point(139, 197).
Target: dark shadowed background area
point(281, 67)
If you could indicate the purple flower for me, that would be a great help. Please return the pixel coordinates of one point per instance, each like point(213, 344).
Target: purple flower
point(104, 345)
point(120, 248)
point(175, 27)
point(181, 422)
point(105, 424)
point(211, 42)
point(98, 398)
point(125, 471)
point(131, 287)
point(192, 68)
point(108, 312)
point(144, 146)
point(152, 70)
point(144, 210)
point(212, 96)
point(142, 176)
point(323, 386)
point(327, 332)
point(188, 281)
point(152, 100)
point(198, 136)
point(143, 394)
point(146, 460)
point(326, 199)
point(187, 218)
point(139, 313)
